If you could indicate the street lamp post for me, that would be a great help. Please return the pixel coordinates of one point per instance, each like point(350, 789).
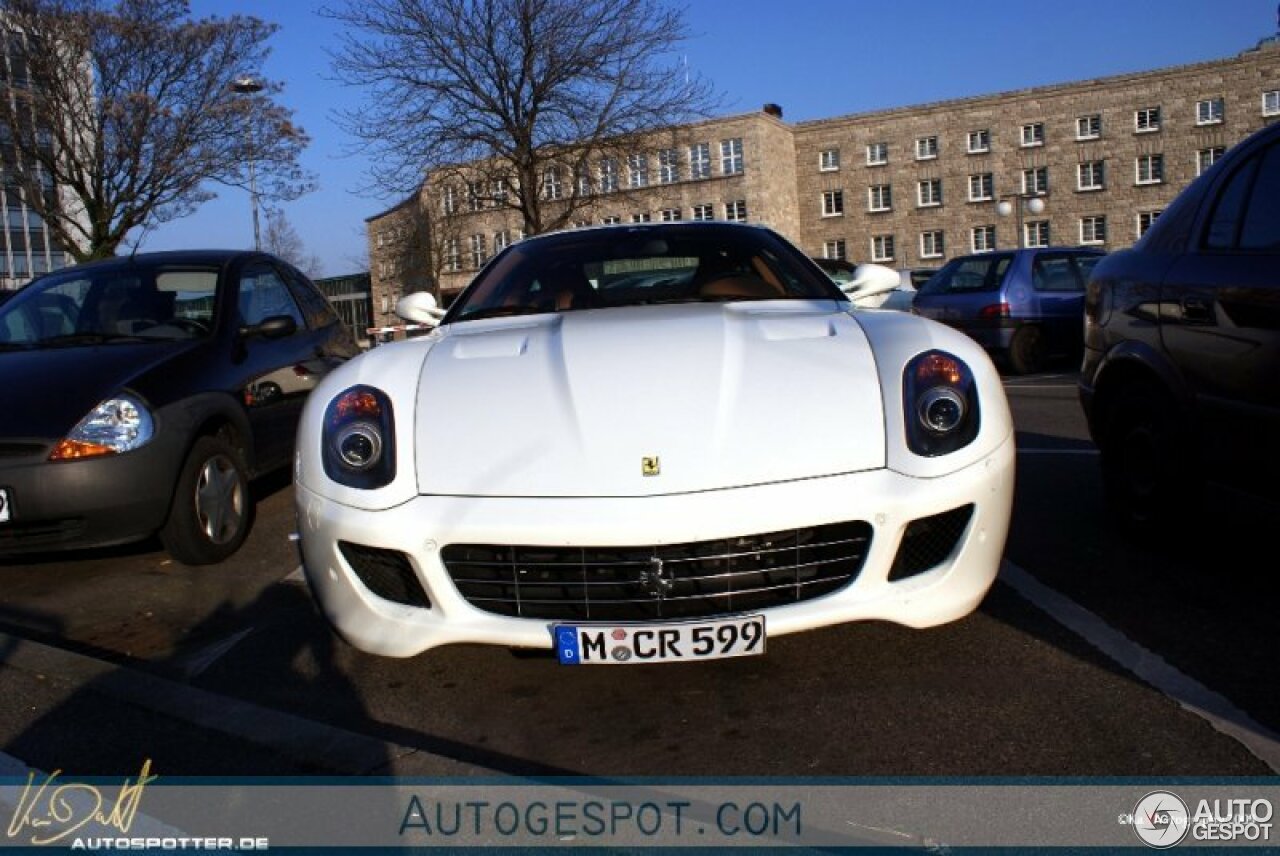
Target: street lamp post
point(250, 85)
point(1031, 202)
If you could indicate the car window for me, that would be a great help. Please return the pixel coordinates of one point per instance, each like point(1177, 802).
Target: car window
point(314, 306)
point(263, 294)
point(1225, 223)
point(968, 275)
point(1085, 265)
point(1261, 228)
point(1054, 273)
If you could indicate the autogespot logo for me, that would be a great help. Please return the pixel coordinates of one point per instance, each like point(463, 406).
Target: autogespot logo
point(1161, 819)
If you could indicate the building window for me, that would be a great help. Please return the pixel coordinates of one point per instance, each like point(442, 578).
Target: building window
point(477, 251)
point(731, 156)
point(700, 160)
point(877, 154)
point(1091, 175)
point(1210, 111)
point(1036, 233)
point(926, 148)
point(882, 248)
point(499, 192)
point(834, 249)
point(983, 239)
point(929, 192)
point(583, 178)
point(611, 220)
point(829, 160)
point(979, 142)
point(1206, 158)
point(501, 239)
point(670, 215)
point(981, 187)
point(1150, 169)
point(1033, 134)
point(736, 212)
point(668, 166)
point(449, 200)
point(833, 203)
point(1093, 230)
point(1271, 103)
point(1035, 180)
point(932, 245)
point(638, 170)
point(1145, 219)
point(452, 255)
point(608, 175)
point(475, 195)
point(1146, 120)
point(642, 217)
point(879, 197)
point(704, 211)
point(552, 187)
point(1089, 127)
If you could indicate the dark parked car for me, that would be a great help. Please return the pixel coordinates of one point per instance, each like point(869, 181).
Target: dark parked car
point(134, 398)
point(1181, 375)
point(1026, 305)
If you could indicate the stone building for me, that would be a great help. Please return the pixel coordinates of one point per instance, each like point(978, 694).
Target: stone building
point(908, 187)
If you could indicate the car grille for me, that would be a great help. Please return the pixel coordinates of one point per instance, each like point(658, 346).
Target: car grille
point(386, 573)
point(692, 580)
point(928, 541)
point(45, 534)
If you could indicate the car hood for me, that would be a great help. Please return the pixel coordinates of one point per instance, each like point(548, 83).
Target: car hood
point(648, 400)
point(48, 390)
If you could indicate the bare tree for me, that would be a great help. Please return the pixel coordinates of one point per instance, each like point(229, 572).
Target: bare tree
point(121, 115)
point(530, 95)
point(282, 240)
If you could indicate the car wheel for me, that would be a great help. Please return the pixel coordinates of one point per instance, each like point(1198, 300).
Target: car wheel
point(1027, 351)
point(1146, 468)
point(209, 518)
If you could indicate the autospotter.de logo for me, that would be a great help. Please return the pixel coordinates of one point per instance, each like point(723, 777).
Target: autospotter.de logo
point(1161, 819)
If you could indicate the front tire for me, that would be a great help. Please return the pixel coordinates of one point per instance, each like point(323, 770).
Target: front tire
point(209, 518)
point(1148, 467)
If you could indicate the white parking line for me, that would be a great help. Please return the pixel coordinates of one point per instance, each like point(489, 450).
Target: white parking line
point(1148, 666)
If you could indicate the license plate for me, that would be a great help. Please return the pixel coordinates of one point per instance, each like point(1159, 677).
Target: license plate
point(6, 506)
point(618, 644)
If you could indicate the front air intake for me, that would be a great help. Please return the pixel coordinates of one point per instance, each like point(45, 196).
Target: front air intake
point(386, 573)
point(928, 542)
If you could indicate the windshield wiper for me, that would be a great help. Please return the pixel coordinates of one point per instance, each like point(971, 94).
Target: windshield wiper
point(87, 339)
point(499, 312)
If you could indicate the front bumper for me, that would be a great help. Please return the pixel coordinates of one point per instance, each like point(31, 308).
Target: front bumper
point(887, 500)
point(96, 502)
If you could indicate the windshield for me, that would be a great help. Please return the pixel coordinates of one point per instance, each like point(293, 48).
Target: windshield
point(111, 304)
point(602, 268)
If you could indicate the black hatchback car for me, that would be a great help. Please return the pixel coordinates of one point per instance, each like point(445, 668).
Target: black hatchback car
point(1181, 375)
point(141, 394)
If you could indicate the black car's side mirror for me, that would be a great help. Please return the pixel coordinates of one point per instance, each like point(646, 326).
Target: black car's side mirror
point(274, 327)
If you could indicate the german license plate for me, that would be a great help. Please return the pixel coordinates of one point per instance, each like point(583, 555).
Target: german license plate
point(666, 642)
point(6, 506)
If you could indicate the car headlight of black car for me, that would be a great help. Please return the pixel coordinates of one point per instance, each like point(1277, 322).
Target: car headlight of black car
point(359, 440)
point(941, 403)
point(119, 424)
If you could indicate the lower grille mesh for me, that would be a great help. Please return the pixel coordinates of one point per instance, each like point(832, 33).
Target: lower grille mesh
point(929, 541)
point(694, 580)
point(386, 573)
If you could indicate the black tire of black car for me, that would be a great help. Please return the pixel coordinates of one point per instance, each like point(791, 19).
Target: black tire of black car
point(1148, 466)
point(186, 533)
point(1027, 351)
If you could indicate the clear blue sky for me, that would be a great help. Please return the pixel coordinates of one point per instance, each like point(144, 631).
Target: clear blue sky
point(817, 58)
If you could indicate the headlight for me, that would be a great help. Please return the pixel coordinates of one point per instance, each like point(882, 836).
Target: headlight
point(941, 403)
point(359, 439)
point(116, 425)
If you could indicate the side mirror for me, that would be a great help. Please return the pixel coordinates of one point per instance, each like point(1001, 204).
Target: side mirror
point(870, 281)
point(420, 307)
point(274, 327)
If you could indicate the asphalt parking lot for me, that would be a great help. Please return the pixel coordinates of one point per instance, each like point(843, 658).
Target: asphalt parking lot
point(1085, 659)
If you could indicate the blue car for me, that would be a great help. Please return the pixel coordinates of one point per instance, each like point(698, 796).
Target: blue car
point(1024, 305)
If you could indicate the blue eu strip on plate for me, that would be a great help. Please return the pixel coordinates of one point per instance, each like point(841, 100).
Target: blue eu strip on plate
point(567, 645)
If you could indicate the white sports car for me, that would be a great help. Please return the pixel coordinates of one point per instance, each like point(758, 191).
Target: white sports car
point(652, 443)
